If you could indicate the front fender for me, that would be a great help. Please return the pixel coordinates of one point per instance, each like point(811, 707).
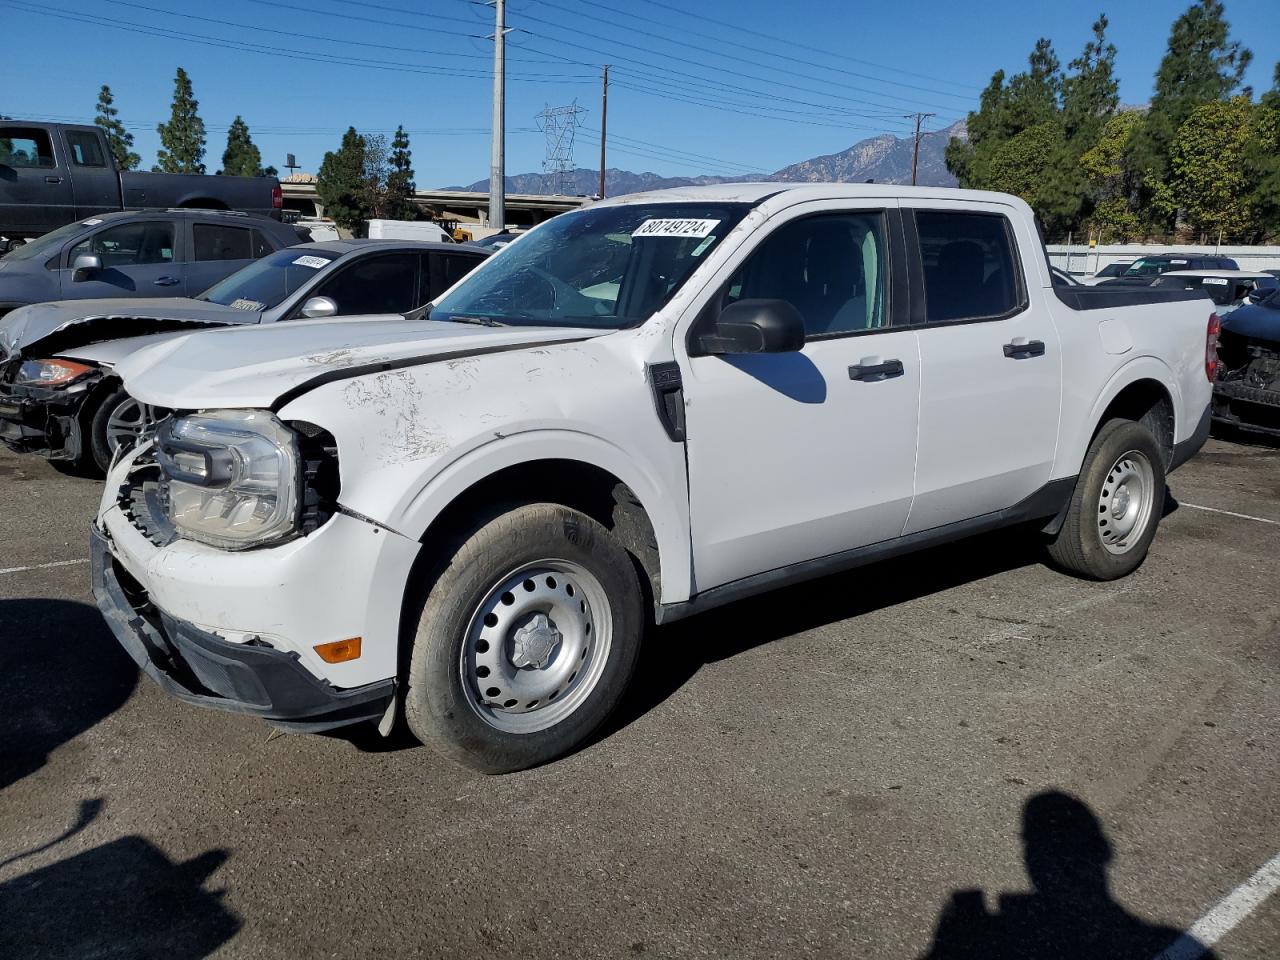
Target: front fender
point(668, 514)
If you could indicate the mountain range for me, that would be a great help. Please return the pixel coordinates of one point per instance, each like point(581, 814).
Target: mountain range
point(884, 159)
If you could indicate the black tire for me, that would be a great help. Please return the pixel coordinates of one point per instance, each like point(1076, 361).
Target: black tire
point(95, 453)
point(1079, 545)
point(440, 707)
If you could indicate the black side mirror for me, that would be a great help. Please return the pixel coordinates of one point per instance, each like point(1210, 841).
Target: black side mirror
point(755, 326)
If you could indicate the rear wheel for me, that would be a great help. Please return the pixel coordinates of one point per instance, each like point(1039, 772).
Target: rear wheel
point(527, 640)
point(1116, 506)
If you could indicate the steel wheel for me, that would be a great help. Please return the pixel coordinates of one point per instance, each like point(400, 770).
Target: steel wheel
point(127, 423)
point(1125, 504)
point(536, 646)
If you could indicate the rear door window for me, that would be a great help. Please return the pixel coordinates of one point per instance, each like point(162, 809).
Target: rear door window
point(261, 245)
point(130, 244)
point(218, 242)
point(25, 147)
point(971, 271)
point(86, 149)
point(383, 284)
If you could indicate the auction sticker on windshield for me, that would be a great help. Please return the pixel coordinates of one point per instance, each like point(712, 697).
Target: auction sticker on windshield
point(675, 228)
point(242, 304)
point(315, 263)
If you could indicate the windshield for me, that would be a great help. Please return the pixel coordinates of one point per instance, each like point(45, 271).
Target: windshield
point(602, 267)
point(46, 244)
point(267, 282)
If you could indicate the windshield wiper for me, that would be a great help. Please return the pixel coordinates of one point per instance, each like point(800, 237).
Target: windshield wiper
point(478, 321)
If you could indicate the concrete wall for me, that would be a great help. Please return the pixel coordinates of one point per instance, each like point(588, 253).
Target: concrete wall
point(1085, 261)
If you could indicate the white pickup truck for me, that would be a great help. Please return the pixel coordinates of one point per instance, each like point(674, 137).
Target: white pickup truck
point(637, 411)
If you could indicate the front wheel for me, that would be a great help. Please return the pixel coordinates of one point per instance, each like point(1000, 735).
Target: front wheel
point(527, 640)
point(118, 421)
point(1116, 506)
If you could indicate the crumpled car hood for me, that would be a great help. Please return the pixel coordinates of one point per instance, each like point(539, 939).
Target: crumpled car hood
point(107, 319)
point(1257, 321)
point(255, 366)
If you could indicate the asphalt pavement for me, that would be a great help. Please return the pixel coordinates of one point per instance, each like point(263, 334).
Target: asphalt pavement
point(960, 754)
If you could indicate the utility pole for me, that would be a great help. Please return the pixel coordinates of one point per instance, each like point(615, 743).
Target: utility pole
point(498, 146)
point(915, 152)
point(604, 122)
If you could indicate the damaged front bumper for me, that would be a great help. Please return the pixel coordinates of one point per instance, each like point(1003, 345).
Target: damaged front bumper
point(238, 630)
point(44, 420)
point(201, 668)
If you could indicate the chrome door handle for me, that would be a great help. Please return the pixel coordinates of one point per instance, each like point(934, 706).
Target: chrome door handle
point(166, 281)
point(52, 179)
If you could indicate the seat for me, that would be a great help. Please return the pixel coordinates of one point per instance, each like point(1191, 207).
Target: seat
point(831, 297)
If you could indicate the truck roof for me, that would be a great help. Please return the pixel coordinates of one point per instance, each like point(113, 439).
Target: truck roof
point(757, 192)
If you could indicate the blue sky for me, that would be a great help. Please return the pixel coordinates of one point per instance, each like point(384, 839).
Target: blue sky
point(690, 93)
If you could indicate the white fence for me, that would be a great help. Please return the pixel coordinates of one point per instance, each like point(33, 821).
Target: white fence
point(1084, 261)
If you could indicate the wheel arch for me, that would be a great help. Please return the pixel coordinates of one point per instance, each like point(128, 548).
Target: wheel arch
point(578, 471)
point(1145, 391)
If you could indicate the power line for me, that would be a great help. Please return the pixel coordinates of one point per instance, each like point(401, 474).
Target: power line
point(273, 51)
point(345, 41)
point(836, 55)
point(702, 47)
point(834, 105)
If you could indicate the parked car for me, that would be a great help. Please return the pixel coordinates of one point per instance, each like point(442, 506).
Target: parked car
point(1246, 395)
point(1141, 272)
point(55, 173)
point(495, 241)
point(1110, 271)
point(155, 254)
point(788, 381)
point(1228, 289)
point(59, 396)
point(1063, 279)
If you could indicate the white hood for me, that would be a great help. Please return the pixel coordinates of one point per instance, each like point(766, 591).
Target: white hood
point(255, 366)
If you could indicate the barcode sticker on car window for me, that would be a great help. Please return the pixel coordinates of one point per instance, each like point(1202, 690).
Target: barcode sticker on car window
point(1177, 261)
point(675, 228)
point(90, 223)
point(242, 304)
point(315, 263)
point(1216, 281)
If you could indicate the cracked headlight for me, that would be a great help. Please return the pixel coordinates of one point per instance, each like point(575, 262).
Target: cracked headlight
point(232, 477)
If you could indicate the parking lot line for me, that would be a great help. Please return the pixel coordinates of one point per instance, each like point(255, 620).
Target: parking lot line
point(1228, 513)
point(1223, 918)
point(44, 566)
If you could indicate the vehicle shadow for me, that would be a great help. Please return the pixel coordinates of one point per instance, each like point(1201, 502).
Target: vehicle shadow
point(1069, 913)
point(61, 672)
point(672, 654)
point(124, 898)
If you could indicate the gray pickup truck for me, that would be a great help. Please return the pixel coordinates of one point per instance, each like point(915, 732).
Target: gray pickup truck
point(54, 173)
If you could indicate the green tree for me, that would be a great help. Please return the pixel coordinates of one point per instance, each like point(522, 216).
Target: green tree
point(340, 184)
point(1090, 94)
point(242, 157)
point(1207, 174)
point(1262, 160)
point(182, 138)
point(1202, 64)
point(1110, 182)
point(119, 139)
point(399, 182)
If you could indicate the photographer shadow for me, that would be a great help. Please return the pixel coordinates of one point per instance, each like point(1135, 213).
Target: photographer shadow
point(1070, 913)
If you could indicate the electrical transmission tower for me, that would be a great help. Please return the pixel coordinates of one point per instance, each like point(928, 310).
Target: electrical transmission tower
point(558, 125)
